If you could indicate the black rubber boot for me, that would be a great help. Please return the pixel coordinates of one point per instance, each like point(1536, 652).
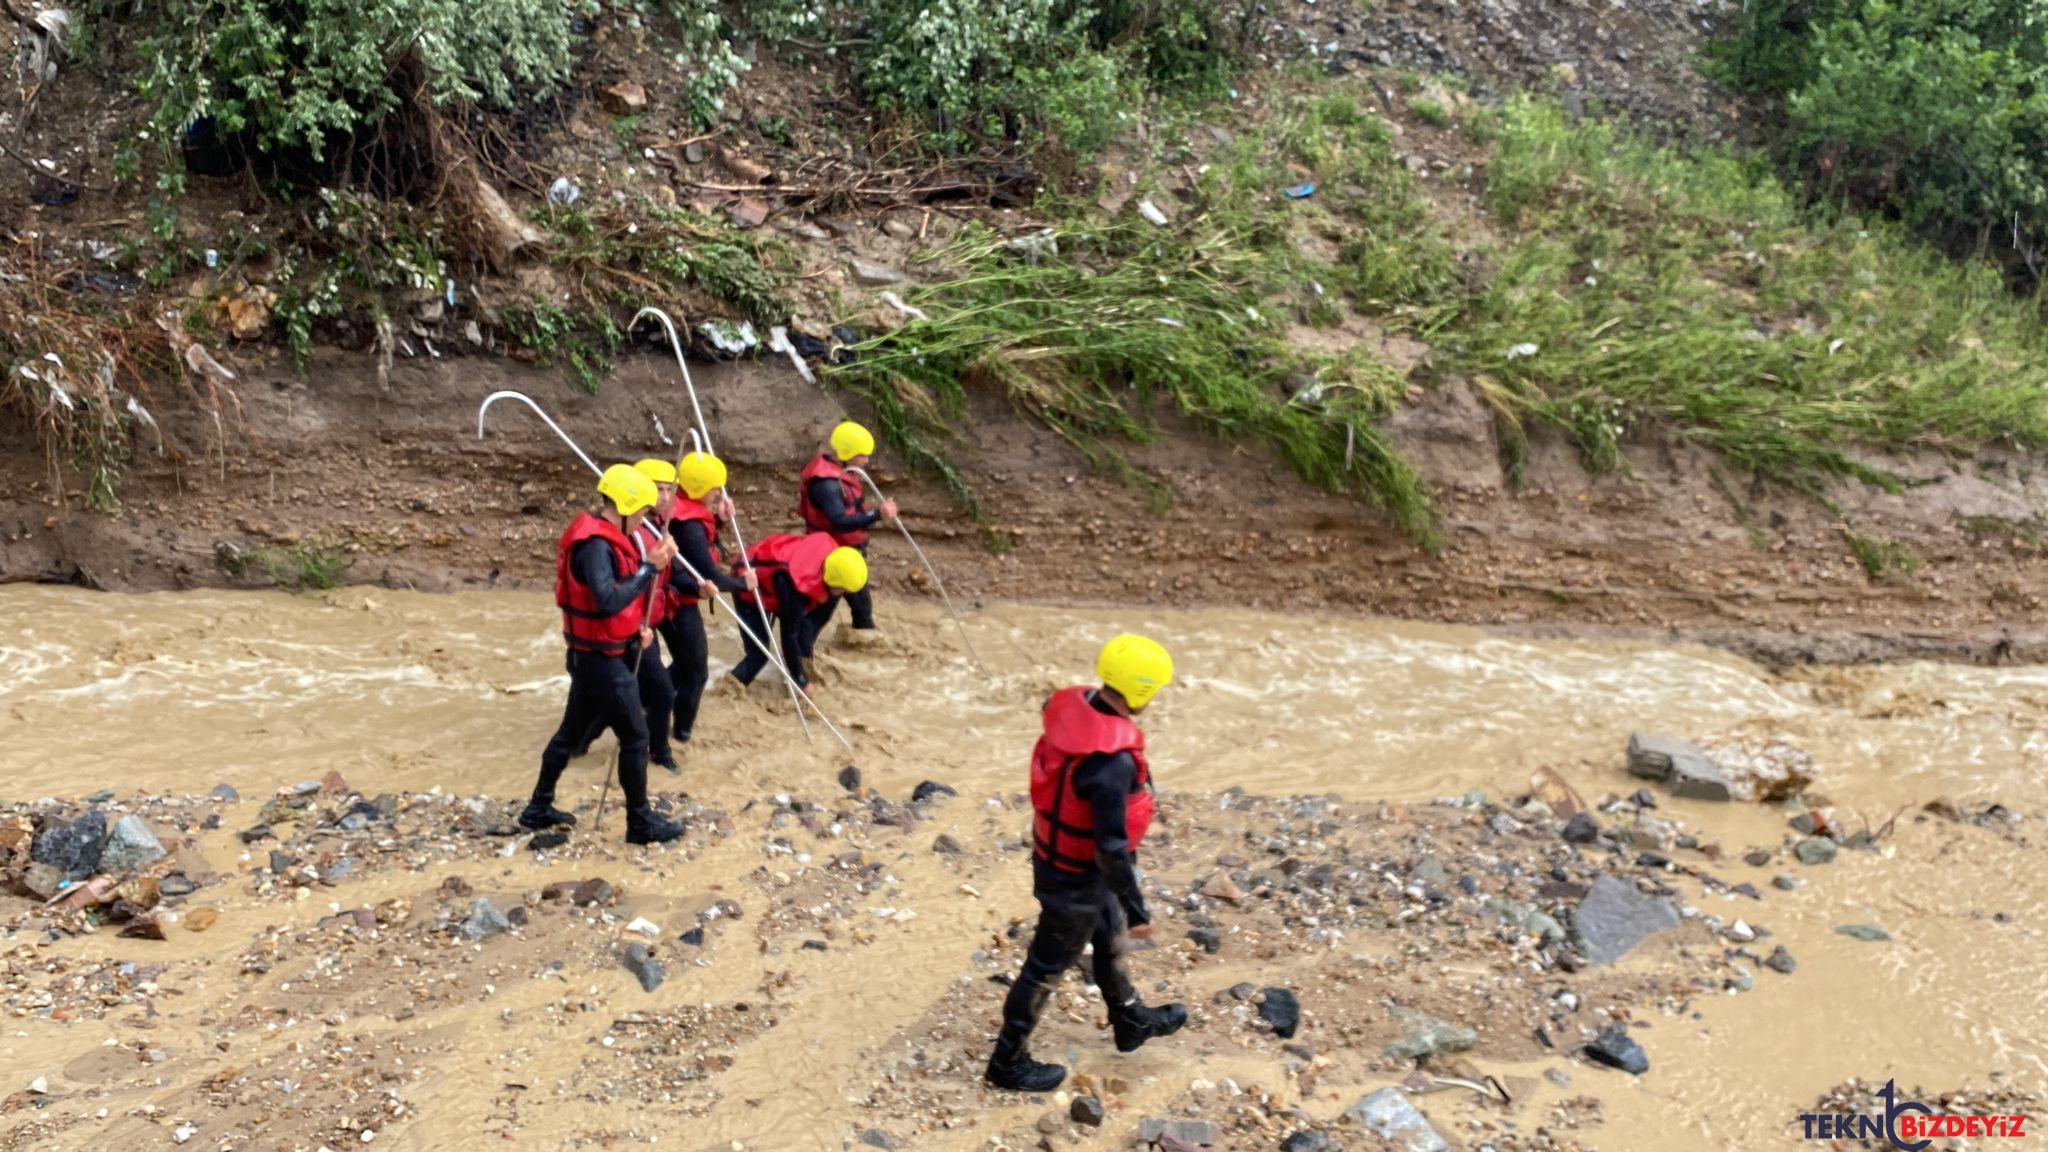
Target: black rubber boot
point(1136, 1023)
point(540, 813)
point(669, 762)
point(1013, 1069)
point(644, 827)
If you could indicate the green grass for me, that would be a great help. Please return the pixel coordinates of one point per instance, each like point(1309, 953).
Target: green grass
point(1882, 559)
point(1693, 291)
point(1630, 286)
point(297, 568)
point(1195, 315)
point(1430, 112)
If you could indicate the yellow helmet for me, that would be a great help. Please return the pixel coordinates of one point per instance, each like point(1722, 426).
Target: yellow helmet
point(846, 570)
point(850, 440)
point(659, 471)
point(700, 472)
point(628, 489)
point(1136, 667)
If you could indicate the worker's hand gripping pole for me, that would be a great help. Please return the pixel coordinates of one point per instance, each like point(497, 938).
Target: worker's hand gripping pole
point(798, 693)
point(774, 645)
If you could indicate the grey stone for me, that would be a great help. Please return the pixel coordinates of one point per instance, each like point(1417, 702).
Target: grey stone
point(1425, 1035)
point(1582, 829)
point(224, 793)
point(71, 846)
point(1868, 933)
point(1527, 918)
point(130, 845)
point(485, 921)
point(945, 845)
point(876, 275)
point(1614, 918)
point(1815, 850)
point(176, 884)
point(1310, 1141)
point(644, 967)
point(1087, 1110)
point(1388, 1115)
point(1786, 882)
point(1757, 857)
point(1151, 1128)
point(1781, 961)
point(1208, 939)
point(1616, 1049)
point(1428, 871)
point(1686, 768)
point(849, 778)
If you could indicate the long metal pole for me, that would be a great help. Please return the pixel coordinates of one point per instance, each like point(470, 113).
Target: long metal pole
point(739, 538)
point(798, 693)
point(936, 582)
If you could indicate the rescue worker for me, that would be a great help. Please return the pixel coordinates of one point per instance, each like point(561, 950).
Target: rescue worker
point(1091, 798)
point(657, 693)
point(602, 583)
point(833, 501)
point(694, 525)
point(800, 580)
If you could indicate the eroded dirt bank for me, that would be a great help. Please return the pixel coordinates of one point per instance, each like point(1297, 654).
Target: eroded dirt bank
point(832, 955)
point(1684, 547)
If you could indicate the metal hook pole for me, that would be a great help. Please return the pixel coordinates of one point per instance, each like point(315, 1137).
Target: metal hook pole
point(739, 537)
point(936, 582)
point(795, 692)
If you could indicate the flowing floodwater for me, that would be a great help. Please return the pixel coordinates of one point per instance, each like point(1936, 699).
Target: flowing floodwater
point(397, 691)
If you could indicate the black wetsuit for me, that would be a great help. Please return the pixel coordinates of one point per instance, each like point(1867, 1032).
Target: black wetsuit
point(603, 691)
point(688, 649)
point(796, 620)
point(830, 500)
point(1077, 909)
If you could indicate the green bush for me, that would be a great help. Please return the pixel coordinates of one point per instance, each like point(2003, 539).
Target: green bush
point(297, 73)
point(1936, 110)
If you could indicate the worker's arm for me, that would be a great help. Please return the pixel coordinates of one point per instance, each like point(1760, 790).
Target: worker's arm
point(830, 499)
point(593, 562)
point(1106, 782)
point(693, 544)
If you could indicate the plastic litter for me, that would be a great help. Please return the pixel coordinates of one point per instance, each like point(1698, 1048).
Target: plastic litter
point(1299, 191)
point(1150, 211)
point(564, 192)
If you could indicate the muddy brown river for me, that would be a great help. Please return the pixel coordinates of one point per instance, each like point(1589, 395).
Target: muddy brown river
point(180, 692)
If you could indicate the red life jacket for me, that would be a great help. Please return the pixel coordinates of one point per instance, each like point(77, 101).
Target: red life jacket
point(688, 510)
point(824, 467)
point(583, 628)
point(1063, 828)
point(647, 538)
point(803, 557)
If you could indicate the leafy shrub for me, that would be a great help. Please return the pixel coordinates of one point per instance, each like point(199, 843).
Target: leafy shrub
point(298, 73)
point(1935, 109)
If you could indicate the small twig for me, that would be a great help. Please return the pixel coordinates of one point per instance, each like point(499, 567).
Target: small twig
point(684, 143)
point(46, 173)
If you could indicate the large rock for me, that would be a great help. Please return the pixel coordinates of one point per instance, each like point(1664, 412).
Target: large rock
point(1763, 767)
point(131, 845)
point(485, 921)
point(1425, 1035)
point(71, 846)
point(1279, 1008)
point(1616, 1049)
point(1614, 918)
point(1388, 1115)
point(1685, 768)
point(644, 967)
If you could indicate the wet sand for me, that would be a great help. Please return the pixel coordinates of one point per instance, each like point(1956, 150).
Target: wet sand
point(397, 692)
